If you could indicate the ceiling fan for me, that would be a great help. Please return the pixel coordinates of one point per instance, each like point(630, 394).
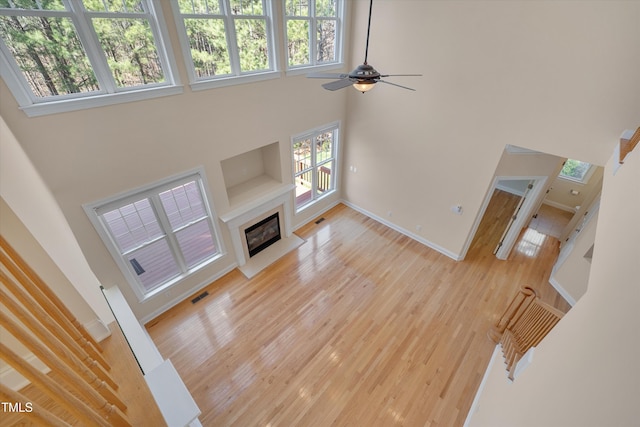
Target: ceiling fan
point(364, 77)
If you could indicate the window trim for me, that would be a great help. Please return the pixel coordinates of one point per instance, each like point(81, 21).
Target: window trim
point(34, 106)
point(327, 66)
point(334, 126)
point(230, 79)
point(94, 211)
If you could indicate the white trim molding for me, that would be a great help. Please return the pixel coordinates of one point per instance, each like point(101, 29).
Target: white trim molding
point(452, 255)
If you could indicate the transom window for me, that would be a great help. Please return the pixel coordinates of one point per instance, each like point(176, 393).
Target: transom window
point(314, 158)
point(66, 49)
point(226, 38)
point(159, 235)
point(575, 170)
point(313, 32)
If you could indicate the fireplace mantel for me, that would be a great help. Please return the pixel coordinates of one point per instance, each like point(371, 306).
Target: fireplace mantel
point(258, 197)
point(250, 195)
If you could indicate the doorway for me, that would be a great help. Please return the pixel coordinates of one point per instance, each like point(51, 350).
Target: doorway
point(526, 191)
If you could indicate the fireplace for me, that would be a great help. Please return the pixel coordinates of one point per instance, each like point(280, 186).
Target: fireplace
point(259, 214)
point(263, 234)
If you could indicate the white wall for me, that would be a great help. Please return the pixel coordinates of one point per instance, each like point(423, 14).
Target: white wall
point(557, 77)
point(585, 372)
point(560, 195)
point(571, 277)
point(25, 193)
point(85, 156)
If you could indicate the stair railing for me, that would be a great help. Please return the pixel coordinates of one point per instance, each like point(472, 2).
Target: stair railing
point(525, 322)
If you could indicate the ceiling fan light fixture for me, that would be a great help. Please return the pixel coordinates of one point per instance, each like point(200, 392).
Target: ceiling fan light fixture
point(364, 86)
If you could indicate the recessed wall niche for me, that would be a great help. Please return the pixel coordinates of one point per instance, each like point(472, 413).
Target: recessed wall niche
point(251, 174)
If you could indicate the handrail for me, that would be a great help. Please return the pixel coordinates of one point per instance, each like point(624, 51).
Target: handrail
point(524, 324)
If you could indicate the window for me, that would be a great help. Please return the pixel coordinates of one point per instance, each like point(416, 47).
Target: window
point(160, 234)
point(575, 170)
point(225, 39)
point(61, 50)
point(313, 31)
point(314, 158)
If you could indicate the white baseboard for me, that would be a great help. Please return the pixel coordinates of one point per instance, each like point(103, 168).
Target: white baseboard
point(560, 206)
point(509, 190)
point(319, 213)
point(12, 379)
point(562, 291)
point(177, 300)
point(420, 239)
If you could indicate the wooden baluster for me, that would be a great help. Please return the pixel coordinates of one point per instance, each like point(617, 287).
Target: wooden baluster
point(526, 329)
point(51, 308)
point(523, 298)
point(54, 353)
point(31, 274)
point(35, 278)
point(68, 375)
point(53, 390)
point(36, 414)
point(50, 325)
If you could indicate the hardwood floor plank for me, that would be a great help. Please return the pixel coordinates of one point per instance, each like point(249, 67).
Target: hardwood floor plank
point(359, 326)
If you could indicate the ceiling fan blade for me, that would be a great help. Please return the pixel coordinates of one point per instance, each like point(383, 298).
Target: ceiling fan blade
point(393, 84)
point(400, 75)
point(337, 84)
point(327, 76)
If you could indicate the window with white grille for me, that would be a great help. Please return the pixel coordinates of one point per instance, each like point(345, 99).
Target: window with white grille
point(226, 41)
point(315, 164)
point(313, 31)
point(61, 55)
point(159, 235)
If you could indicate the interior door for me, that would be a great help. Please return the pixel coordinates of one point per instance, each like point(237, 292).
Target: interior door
point(513, 217)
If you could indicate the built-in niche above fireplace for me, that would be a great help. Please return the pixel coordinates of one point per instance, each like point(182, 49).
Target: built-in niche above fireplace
point(263, 234)
point(251, 174)
point(256, 191)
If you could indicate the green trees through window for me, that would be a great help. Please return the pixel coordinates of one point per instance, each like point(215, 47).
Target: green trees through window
point(575, 170)
point(227, 37)
point(51, 44)
point(80, 50)
point(312, 31)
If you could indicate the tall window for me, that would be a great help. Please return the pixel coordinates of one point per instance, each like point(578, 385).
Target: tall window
point(226, 38)
point(313, 32)
point(314, 158)
point(62, 49)
point(575, 170)
point(159, 235)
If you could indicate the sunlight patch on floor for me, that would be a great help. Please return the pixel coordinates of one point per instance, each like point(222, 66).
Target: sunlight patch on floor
point(530, 243)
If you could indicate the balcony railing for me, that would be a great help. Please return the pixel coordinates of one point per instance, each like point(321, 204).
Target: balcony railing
point(304, 182)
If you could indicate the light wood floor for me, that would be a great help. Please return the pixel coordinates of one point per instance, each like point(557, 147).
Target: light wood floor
point(360, 326)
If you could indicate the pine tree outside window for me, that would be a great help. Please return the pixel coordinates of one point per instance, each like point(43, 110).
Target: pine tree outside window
point(313, 33)
point(70, 50)
point(226, 41)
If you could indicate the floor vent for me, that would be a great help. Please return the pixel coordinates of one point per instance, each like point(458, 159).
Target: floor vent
point(199, 297)
point(319, 220)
